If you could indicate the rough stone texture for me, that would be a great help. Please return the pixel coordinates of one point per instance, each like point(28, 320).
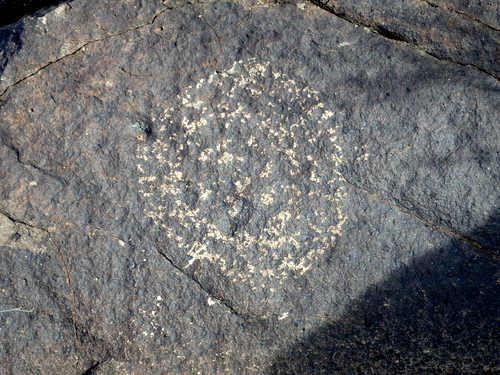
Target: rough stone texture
point(487, 12)
point(243, 187)
point(464, 32)
point(13, 10)
point(414, 322)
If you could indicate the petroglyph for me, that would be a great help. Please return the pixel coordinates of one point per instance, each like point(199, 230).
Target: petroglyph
point(238, 172)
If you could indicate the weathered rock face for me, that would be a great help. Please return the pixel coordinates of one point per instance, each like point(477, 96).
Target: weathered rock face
point(465, 32)
point(244, 187)
point(422, 319)
point(13, 10)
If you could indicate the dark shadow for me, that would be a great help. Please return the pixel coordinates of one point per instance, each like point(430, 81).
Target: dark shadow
point(439, 315)
point(13, 10)
point(489, 234)
point(10, 44)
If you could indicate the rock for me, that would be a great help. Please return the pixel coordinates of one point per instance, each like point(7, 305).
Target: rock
point(209, 187)
point(422, 319)
point(463, 32)
point(12, 10)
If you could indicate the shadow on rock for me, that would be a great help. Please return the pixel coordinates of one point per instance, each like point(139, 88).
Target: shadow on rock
point(13, 10)
point(10, 44)
point(438, 315)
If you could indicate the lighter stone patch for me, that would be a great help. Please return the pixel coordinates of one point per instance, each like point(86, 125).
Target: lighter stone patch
point(59, 11)
point(284, 316)
point(65, 49)
point(19, 236)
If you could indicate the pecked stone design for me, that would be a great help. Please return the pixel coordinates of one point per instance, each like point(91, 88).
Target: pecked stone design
point(243, 169)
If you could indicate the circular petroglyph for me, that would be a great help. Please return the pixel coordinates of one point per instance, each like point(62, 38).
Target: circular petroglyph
point(233, 177)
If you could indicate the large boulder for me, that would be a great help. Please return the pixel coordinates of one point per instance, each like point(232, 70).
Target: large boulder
point(243, 187)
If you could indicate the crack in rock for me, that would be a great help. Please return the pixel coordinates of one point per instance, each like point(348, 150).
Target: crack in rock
point(398, 208)
point(17, 221)
point(66, 271)
point(382, 31)
point(95, 367)
point(82, 47)
point(223, 301)
point(34, 166)
point(211, 294)
point(434, 5)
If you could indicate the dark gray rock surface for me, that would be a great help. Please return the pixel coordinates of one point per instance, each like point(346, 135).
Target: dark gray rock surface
point(464, 32)
point(244, 187)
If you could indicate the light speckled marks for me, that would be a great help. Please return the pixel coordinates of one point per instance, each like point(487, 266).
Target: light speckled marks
point(236, 174)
